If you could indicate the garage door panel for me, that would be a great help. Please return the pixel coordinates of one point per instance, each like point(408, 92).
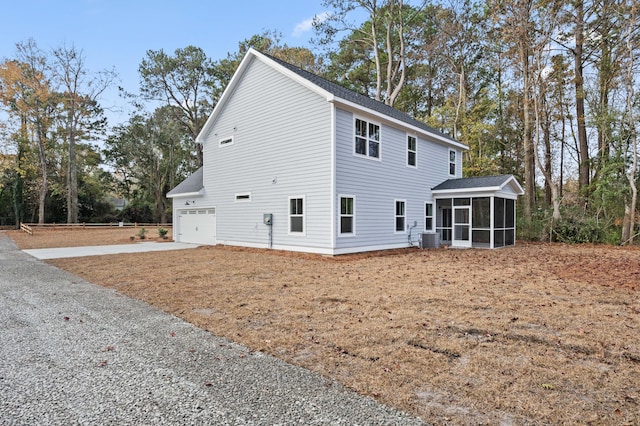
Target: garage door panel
point(197, 226)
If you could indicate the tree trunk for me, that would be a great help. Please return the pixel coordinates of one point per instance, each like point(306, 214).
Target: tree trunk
point(633, 137)
point(461, 99)
point(43, 165)
point(583, 152)
point(604, 72)
point(529, 159)
point(72, 176)
point(626, 226)
point(393, 87)
point(548, 190)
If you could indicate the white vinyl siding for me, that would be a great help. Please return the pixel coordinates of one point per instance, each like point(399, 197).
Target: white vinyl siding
point(375, 185)
point(285, 149)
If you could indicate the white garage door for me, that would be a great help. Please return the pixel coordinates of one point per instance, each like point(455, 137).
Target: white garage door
point(197, 226)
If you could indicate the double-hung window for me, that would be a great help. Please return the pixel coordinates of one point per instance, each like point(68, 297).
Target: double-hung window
point(400, 216)
point(367, 139)
point(428, 216)
point(347, 215)
point(412, 151)
point(452, 162)
point(296, 215)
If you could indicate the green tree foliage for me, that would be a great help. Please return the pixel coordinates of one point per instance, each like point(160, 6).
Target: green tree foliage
point(149, 156)
point(185, 82)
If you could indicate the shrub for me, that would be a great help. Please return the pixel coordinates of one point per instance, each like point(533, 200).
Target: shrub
point(162, 233)
point(142, 233)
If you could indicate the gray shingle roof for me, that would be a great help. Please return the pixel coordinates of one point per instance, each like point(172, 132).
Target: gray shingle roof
point(193, 183)
point(474, 182)
point(361, 100)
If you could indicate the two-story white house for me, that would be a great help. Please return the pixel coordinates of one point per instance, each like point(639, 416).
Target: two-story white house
point(295, 162)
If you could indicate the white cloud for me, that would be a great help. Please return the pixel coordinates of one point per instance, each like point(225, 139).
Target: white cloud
point(307, 25)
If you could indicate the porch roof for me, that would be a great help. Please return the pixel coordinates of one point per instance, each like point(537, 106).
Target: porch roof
point(506, 184)
point(191, 186)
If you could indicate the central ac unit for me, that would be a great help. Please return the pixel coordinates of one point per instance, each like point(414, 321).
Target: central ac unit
point(430, 240)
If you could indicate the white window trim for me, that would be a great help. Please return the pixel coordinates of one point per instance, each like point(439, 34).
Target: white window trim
point(414, 166)
point(353, 215)
point(395, 216)
point(228, 141)
point(243, 197)
point(353, 139)
point(304, 216)
point(454, 162)
point(433, 222)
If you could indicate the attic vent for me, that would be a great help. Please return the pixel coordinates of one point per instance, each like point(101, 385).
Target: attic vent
point(226, 141)
point(243, 197)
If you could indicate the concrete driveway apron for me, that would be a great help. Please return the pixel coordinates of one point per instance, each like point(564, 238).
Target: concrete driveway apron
point(77, 353)
point(57, 253)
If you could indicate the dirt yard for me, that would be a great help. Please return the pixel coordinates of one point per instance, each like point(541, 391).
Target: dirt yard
point(535, 334)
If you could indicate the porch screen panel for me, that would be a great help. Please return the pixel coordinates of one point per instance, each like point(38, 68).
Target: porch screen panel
point(481, 221)
point(481, 212)
point(504, 233)
point(498, 213)
point(510, 217)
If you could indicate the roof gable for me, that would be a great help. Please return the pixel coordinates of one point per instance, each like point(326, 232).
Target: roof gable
point(332, 92)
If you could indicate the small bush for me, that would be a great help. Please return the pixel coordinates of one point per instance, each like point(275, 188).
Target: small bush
point(142, 233)
point(162, 233)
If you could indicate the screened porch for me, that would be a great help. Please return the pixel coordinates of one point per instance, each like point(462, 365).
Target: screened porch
point(477, 212)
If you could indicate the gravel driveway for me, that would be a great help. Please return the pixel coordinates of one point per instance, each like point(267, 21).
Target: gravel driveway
point(76, 353)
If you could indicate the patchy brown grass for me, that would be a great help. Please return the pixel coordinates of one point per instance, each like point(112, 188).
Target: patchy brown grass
point(535, 334)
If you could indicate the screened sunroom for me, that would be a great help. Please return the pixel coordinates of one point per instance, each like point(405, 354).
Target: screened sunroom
point(477, 212)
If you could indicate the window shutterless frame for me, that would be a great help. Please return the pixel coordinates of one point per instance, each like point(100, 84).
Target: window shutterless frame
point(297, 225)
point(412, 151)
point(347, 224)
point(367, 139)
point(428, 216)
point(400, 216)
point(452, 162)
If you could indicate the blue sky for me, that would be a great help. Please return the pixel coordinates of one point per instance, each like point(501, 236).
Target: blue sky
point(117, 33)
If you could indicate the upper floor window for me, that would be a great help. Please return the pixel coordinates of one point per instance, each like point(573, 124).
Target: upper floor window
point(367, 139)
point(412, 151)
point(452, 162)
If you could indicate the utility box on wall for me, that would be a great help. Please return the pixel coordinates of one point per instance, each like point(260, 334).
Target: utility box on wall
point(430, 240)
point(267, 219)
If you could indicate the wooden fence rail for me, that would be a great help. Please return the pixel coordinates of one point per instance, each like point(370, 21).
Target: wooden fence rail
point(96, 225)
point(26, 228)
